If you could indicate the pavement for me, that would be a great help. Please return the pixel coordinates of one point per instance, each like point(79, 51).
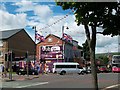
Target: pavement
point(16, 77)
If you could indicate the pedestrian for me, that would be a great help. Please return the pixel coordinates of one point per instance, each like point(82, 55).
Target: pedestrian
point(46, 69)
point(0, 70)
point(2, 67)
point(38, 68)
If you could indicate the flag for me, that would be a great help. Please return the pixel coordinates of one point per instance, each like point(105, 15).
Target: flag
point(67, 37)
point(39, 37)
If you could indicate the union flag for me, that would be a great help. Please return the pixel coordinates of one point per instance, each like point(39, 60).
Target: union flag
point(39, 37)
point(67, 37)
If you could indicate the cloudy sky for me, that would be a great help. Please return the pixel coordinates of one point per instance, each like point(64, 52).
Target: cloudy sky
point(49, 18)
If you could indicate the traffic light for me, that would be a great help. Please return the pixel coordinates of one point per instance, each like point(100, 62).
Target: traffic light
point(26, 55)
point(6, 56)
point(11, 56)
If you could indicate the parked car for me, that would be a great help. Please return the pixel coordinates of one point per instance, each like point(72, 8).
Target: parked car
point(103, 69)
point(116, 69)
point(22, 71)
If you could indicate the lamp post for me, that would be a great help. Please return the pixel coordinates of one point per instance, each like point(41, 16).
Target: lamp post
point(62, 41)
point(34, 27)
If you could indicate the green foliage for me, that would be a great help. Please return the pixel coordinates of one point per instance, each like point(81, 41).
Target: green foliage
point(95, 14)
point(79, 47)
point(104, 59)
point(99, 14)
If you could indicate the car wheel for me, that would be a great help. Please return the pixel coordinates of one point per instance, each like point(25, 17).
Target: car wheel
point(82, 73)
point(62, 73)
point(33, 73)
point(19, 73)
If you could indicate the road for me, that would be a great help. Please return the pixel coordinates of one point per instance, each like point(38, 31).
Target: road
point(65, 81)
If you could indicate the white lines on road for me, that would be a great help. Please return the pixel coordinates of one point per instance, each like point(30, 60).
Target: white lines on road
point(32, 85)
point(113, 86)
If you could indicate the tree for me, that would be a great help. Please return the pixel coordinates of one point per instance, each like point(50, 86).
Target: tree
point(86, 50)
point(104, 59)
point(93, 15)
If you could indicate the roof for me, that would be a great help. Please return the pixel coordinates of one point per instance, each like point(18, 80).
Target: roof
point(8, 33)
point(58, 38)
point(52, 35)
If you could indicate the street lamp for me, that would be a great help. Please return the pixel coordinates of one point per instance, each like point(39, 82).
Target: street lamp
point(62, 41)
point(34, 27)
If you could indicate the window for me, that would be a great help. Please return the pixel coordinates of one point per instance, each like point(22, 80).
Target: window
point(78, 66)
point(65, 66)
point(49, 39)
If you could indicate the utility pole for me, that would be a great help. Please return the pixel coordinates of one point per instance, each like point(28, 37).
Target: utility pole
point(63, 45)
point(26, 56)
point(10, 59)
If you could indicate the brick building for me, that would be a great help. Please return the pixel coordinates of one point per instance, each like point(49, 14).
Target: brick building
point(17, 41)
point(54, 49)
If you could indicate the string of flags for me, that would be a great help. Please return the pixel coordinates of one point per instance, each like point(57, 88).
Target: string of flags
point(41, 38)
point(72, 11)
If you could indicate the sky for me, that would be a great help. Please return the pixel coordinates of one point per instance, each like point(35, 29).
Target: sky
point(49, 19)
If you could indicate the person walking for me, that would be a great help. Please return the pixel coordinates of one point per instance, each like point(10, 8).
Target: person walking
point(46, 69)
point(2, 67)
point(38, 68)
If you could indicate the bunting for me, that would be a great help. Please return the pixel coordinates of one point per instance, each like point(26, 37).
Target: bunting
point(49, 25)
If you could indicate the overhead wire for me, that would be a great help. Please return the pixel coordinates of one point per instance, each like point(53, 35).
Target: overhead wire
point(65, 16)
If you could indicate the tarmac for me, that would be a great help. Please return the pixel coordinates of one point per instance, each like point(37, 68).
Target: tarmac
point(16, 77)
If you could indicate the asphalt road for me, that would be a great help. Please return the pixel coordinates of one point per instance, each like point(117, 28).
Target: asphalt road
point(66, 81)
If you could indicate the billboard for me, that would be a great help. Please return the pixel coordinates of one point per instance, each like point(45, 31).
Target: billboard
point(51, 52)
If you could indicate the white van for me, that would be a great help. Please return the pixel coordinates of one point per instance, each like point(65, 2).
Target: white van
point(67, 67)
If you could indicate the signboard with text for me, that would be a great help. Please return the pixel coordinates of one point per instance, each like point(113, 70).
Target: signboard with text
point(50, 52)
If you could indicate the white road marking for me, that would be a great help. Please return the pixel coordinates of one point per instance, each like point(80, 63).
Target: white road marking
point(111, 86)
point(32, 85)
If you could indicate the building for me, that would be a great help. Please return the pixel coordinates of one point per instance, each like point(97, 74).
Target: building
point(54, 49)
point(17, 41)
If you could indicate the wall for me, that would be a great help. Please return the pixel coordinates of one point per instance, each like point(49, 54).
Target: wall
point(3, 49)
point(55, 41)
point(68, 53)
point(20, 43)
